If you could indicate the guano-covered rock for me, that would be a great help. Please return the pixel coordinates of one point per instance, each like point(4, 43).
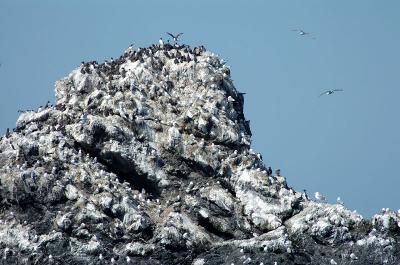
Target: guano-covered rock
point(146, 159)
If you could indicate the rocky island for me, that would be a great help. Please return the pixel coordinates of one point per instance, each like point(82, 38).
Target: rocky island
point(146, 159)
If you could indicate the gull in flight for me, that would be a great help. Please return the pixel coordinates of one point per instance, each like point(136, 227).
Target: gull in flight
point(330, 92)
point(303, 33)
point(175, 37)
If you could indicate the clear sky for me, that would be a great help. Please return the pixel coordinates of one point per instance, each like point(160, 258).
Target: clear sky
point(346, 144)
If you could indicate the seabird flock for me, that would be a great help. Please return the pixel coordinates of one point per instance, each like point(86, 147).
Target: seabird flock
point(85, 67)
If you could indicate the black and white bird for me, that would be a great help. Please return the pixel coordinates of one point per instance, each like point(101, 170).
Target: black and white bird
point(330, 92)
point(269, 171)
point(175, 37)
point(305, 194)
point(161, 42)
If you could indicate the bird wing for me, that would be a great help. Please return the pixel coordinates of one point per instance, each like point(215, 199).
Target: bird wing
point(180, 34)
point(324, 93)
point(337, 89)
point(171, 35)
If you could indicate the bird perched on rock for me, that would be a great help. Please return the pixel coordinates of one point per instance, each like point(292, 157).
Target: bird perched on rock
point(320, 197)
point(305, 194)
point(353, 256)
point(269, 171)
point(231, 99)
point(339, 201)
point(330, 92)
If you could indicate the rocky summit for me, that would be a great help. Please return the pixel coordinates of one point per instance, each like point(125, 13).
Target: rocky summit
point(146, 159)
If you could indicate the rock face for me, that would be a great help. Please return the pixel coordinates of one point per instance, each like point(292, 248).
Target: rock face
point(146, 160)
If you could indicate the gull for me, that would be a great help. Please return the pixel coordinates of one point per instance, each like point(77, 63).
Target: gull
point(330, 92)
point(301, 32)
point(320, 197)
point(353, 256)
point(175, 37)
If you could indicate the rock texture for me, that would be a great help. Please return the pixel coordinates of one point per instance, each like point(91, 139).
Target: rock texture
point(146, 159)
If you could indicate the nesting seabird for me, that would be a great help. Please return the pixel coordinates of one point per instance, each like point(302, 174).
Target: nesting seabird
point(339, 201)
point(320, 197)
point(330, 92)
point(161, 42)
point(305, 194)
point(231, 99)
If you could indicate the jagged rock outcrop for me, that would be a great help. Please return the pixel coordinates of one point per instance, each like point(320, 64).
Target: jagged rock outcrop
point(146, 160)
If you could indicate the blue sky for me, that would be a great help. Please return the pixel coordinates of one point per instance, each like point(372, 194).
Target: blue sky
point(346, 144)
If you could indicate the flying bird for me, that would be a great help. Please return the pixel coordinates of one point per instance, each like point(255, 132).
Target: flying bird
point(175, 37)
point(330, 92)
point(303, 33)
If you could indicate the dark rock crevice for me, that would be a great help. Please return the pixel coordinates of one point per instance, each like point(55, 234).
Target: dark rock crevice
point(124, 169)
point(206, 224)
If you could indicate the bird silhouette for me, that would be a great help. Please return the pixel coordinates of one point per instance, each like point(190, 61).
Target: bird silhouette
point(175, 37)
point(329, 92)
